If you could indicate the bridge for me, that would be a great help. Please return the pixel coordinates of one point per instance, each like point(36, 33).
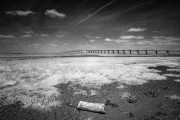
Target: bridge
point(137, 52)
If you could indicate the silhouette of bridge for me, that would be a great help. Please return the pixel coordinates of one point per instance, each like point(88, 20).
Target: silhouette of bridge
point(137, 52)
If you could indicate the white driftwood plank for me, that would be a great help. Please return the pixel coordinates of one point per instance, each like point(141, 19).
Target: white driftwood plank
point(94, 107)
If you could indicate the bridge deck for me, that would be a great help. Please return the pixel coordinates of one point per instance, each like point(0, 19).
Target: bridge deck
point(138, 52)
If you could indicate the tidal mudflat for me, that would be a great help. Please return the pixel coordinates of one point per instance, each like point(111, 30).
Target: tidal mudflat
point(137, 88)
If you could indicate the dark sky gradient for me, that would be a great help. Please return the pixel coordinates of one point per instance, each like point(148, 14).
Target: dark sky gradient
point(55, 25)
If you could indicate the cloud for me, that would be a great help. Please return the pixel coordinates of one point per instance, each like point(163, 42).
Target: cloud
point(157, 43)
point(131, 37)
point(97, 37)
point(88, 36)
point(155, 31)
point(116, 40)
point(59, 36)
point(159, 31)
point(51, 44)
point(136, 29)
point(19, 13)
point(92, 40)
point(121, 41)
point(163, 38)
point(29, 32)
point(144, 42)
point(7, 36)
point(54, 45)
point(21, 44)
point(109, 40)
point(44, 35)
point(36, 44)
point(124, 39)
point(53, 13)
point(26, 36)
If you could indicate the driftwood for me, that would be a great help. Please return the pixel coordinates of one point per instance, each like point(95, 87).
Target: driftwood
point(93, 107)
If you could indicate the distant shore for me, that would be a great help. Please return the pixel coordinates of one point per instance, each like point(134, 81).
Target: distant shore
point(47, 55)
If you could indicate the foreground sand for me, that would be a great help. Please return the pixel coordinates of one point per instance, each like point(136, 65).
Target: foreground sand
point(153, 82)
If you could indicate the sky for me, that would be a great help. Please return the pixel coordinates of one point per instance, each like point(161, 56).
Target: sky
point(28, 26)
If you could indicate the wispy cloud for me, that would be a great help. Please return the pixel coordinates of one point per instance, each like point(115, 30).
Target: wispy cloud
point(59, 36)
point(19, 13)
point(92, 40)
point(116, 40)
point(136, 29)
point(26, 36)
point(155, 31)
point(44, 35)
point(29, 32)
point(125, 39)
point(164, 38)
point(36, 44)
point(97, 37)
point(161, 40)
point(21, 44)
point(7, 36)
point(144, 42)
point(54, 14)
point(157, 43)
point(121, 41)
point(88, 36)
point(131, 37)
point(159, 31)
point(54, 45)
point(109, 40)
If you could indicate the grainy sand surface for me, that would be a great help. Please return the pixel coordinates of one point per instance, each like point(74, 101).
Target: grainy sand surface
point(50, 88)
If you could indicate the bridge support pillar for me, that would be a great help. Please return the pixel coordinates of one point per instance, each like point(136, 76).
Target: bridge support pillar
point(146, 52)
point(118, 51)
point(156, 52)
point(130, 51)
point(137, 51)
